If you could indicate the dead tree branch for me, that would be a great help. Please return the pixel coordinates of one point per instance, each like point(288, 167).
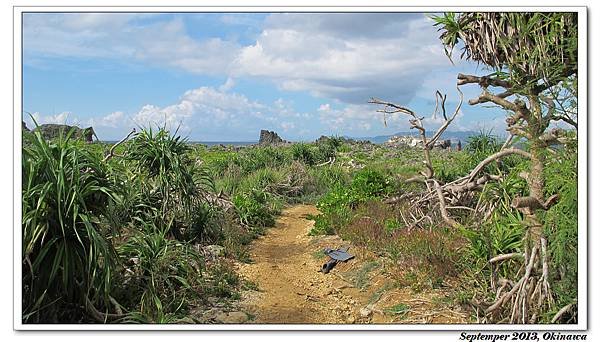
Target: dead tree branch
point(417, 123)
point(498, 155)
point(111, 153)
point(442, 203)
point(565, 309)
point(483, 81)
point(503, 257)
point(98, 315)
point(447, 121)
point(330, 161)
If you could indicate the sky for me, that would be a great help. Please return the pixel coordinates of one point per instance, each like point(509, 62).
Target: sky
point(226, 76)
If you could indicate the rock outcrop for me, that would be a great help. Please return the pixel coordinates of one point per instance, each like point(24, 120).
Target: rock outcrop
point(270, 138)
point(51, 131)
point(322, 139)
point(411, 141)
point(444, 144)
point(414, 141)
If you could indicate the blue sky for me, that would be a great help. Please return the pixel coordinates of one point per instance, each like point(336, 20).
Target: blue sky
point(225, 76)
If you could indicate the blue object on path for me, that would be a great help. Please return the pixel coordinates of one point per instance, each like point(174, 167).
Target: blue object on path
point(335, 255)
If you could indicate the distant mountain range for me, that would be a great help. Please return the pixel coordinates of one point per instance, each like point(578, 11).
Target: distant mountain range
point(454, 136)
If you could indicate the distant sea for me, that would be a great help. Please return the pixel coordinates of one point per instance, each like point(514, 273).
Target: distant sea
point(226, 143)
point(207, 143)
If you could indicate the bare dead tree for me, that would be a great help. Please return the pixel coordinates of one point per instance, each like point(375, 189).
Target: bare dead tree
point(427, 176)
point(532, 290)
point(111, 152)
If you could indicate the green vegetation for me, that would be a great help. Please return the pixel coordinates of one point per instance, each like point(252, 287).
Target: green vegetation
point(130, 236)
point(137, 222)
point(336, 205)
point(120, 237)
point(399, 309)
point(430, 254)
point(533, 62)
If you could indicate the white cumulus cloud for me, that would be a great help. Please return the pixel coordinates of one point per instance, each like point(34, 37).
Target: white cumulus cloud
point(387, 57)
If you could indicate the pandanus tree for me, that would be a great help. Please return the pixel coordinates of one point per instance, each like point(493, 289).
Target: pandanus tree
point(533, 57)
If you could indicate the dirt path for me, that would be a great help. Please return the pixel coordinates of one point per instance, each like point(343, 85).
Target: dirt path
point(285, 269)
point(291, 290)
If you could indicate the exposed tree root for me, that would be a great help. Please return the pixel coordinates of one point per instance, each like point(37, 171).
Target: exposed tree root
point(530, 294)
point(564, 310)
point(99, 316)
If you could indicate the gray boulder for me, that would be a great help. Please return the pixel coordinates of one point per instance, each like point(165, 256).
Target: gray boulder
point(52, 131)
point(270, 138)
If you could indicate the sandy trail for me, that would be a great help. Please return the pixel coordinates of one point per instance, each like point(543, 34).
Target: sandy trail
point(291, 290)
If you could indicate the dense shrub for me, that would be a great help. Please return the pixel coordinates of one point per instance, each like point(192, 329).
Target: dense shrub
point(98, 234)
point(336, 206)
point(255, 158)
point(304, 153)
point(369, 183)
point(253, 209)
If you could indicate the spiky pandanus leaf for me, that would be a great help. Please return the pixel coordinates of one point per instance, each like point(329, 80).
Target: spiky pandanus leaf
point(66, 256)
point(530, 47)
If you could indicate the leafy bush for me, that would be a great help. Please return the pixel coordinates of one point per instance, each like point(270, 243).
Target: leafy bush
point(260, 180)
point(253, 209)
point(312, 154)
point(255, 158)
point(331, 176)
point(369, 183)
point(304, 153)
point(159, 153)
point(173, 180)
point(504, 234)
point(205, 224)
point(336, 206)
point(484, 143)
point(97, 234)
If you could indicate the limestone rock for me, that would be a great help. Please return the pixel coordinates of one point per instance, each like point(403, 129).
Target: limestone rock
point(270, 138)
point(213, 251)
point(187, 320)
point(51, 131)
point(365, 312)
